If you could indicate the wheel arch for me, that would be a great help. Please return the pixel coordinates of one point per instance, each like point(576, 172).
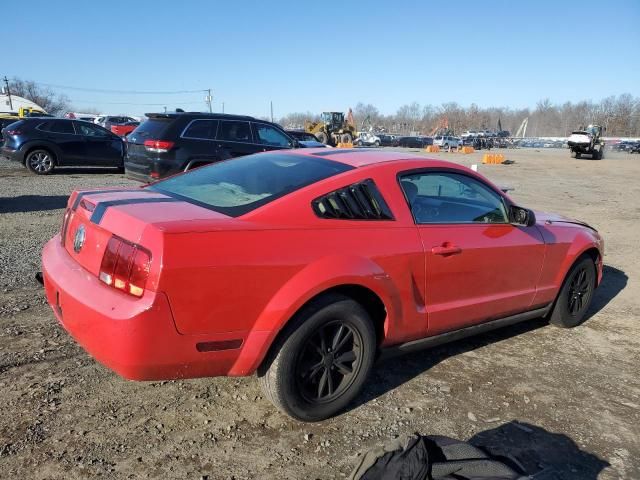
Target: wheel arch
point(29, 147)
point(369, 286)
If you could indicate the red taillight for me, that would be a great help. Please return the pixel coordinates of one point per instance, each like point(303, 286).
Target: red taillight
point(159, 146)
point(13, 132)
point(125, 266)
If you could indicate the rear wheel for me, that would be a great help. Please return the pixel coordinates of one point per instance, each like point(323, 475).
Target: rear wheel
point(376, 143)
point(575, 295)
point(40, 162)
point(321, 361)
point(346, 138)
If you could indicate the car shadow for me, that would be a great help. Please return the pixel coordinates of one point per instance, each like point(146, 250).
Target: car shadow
point(614, 281)
point(542, 454)
point(85, 170)
point(389, 374)
point(32, 203)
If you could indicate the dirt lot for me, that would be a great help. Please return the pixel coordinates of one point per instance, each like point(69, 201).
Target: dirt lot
point(562, 400)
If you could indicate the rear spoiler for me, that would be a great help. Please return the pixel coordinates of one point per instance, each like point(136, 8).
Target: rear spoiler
point(162, 115)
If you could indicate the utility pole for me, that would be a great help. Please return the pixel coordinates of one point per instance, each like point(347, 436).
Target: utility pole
point(222, 107)
point(208, 99)
point(6, 82)
point(271, 111)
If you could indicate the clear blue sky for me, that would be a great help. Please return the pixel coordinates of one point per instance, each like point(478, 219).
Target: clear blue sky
point(325, 56)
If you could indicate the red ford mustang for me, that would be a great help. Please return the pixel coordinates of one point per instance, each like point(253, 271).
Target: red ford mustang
point(304, 267)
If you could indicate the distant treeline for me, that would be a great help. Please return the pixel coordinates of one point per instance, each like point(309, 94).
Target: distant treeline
point(620, 115)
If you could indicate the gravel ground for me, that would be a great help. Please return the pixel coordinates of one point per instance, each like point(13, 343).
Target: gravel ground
point(561, 400)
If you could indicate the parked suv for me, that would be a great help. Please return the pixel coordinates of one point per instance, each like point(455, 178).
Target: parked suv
point(41, 144)
point(168, 143)
point(446, 141)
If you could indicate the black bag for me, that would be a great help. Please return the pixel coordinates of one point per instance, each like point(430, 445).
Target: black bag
point(434, 458)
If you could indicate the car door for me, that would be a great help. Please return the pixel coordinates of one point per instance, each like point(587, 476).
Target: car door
point(236, 138)
point(479, 266)
point(63, 135)
point(199, 139)
point(102, 147)
point(270, 138)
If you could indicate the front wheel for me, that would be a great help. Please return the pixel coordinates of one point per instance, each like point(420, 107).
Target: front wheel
point(575, 295)
point(321, 361)
point(39, 162)
point(376, 143)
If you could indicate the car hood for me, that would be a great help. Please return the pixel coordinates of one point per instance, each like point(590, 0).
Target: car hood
point(547, 218)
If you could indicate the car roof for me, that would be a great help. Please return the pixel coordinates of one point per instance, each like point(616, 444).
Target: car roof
point(202, 115)
point(361, 157)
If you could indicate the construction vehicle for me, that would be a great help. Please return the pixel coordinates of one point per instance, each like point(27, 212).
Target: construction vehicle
point(442, 128)
point(332, 128)
point(25, 112)
point(587, 141)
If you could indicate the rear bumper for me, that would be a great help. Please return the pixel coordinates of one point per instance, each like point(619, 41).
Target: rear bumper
point(152, 170)
point(11, 154)
point(136, 338)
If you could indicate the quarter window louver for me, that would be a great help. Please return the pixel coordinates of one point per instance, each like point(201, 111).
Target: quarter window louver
point(359, 201)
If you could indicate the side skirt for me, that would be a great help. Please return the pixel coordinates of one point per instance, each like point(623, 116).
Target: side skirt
point(436, 340)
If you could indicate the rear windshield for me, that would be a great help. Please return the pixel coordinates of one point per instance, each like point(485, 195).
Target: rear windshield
point(238, 186)
point(153, 128)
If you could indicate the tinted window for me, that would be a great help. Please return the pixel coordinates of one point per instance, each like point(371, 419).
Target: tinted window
point(235, 187)
point(205, 129)
point(451, 198)
point(234, 131)
point(267, 135)
point(57, 127)
point(153, 128)
point(90, 130)
point(62, 127)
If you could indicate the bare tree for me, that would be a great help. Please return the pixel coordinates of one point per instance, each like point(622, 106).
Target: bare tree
point(53, 103)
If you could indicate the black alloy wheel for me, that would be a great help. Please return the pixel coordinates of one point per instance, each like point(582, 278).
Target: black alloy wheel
point(329, 362)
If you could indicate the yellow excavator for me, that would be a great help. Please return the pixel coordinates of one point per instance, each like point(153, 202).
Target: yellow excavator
point(332, 128)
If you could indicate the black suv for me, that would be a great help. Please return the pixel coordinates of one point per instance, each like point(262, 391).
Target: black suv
point(42, 143)
point(168, 143)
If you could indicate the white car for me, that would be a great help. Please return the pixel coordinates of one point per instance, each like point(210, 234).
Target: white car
point(367, 139)
point(446, 141)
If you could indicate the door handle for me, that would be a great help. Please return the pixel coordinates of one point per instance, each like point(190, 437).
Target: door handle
point(446, 249)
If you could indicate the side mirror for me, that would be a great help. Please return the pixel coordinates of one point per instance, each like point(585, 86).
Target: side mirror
point(521, 216)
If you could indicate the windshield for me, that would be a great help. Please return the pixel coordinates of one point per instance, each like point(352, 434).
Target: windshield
point(235, 187)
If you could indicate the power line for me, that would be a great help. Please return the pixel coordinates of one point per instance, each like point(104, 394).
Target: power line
point(125, 92)
point(143, 104)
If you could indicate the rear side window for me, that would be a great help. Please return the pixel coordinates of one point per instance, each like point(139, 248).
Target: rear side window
point(201, 129)
point(233, 131)
point(153, 128)
point(57, 127)
point(238, 186)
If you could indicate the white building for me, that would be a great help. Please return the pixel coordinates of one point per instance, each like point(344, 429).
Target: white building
point(16, 104)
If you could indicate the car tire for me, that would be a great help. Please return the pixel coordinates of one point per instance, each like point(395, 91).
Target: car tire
point(322, 137)
point(376, 143)
point(40, 161)
point(578, 155)
point(576, 294)
point(301, 370)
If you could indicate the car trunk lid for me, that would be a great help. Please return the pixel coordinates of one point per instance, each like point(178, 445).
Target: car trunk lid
point(138, 216)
